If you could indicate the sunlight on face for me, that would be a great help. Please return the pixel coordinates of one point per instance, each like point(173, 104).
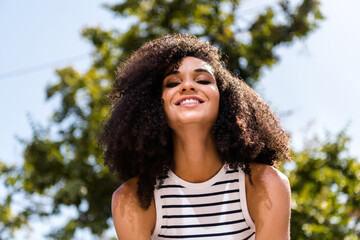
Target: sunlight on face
point(190, 94)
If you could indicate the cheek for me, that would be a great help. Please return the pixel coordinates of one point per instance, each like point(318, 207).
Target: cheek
point(166, 98)
point(216, 98)
point(215, 93)
point(214, 88)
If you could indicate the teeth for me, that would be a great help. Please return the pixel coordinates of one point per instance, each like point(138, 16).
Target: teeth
point(190, 101)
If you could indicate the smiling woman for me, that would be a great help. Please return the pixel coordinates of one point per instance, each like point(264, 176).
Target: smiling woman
point(195, 147)
point(190, 95)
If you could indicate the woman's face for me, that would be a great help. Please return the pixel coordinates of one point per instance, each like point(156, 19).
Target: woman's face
point(190, 94)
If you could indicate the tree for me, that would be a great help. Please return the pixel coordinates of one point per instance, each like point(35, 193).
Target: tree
point(62, 163)
point(325, 190)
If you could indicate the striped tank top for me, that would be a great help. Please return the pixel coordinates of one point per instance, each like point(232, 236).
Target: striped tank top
point(211, 210)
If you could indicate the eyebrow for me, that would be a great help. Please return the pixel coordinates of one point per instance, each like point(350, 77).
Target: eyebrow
point(196, 70)
point(171, 73)
point(202, 70)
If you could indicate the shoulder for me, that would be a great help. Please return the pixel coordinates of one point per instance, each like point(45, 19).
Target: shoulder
point(269, 199)
point(130, 220)
point(127, 192)
point(269, 177)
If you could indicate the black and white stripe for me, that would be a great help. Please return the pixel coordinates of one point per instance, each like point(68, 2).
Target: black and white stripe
point(211, 212)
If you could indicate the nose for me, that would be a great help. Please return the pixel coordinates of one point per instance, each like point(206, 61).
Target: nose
point(188, 85)
point(184, 89)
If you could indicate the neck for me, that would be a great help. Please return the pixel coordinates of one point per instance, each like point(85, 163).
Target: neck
point(195, 155)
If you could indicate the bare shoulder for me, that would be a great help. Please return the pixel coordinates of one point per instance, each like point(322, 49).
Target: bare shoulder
point(269, 177)
point(269, 199)
point(130, 220)
point(126, 192)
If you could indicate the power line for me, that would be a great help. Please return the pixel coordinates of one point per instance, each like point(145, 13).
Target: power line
point(36, 68)
point(255, 8)
point(251, 10)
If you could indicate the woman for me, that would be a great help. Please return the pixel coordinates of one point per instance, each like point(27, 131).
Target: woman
point(195, 146)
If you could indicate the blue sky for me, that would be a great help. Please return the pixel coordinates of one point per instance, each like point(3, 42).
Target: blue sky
point(316, 79)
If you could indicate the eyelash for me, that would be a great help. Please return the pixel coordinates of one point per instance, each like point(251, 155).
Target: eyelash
point(204, 82)
point(171, 84)
point(174, 84)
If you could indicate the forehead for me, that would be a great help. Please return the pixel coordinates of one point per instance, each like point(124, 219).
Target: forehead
point(189, 63)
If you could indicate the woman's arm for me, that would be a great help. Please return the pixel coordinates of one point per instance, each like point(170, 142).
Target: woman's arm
point(130, 220)
point(269, 202)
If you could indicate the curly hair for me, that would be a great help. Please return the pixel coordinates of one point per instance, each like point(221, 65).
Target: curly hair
point(137, 139)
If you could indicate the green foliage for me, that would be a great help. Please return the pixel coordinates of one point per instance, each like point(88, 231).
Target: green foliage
point(214, 21)
point(63, 162)
point(325, 183)
point(10, 222)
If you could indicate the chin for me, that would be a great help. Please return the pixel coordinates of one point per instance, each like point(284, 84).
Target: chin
point(187, 120)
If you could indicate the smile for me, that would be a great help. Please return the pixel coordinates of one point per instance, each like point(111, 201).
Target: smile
point(189, 101)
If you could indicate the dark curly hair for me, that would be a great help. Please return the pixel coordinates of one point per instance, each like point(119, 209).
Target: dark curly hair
point(137, 139)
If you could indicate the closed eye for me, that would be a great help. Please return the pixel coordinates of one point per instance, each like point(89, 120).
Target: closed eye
point(204, 82)
point(171, 84)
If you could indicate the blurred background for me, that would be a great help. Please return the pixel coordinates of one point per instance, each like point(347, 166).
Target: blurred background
point(57, 63)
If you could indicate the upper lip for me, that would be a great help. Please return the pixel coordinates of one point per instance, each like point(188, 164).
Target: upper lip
point(188, 97)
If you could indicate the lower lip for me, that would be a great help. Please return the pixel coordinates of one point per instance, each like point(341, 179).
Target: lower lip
point(190, 105)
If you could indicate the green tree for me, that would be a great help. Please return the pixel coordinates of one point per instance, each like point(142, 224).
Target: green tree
point(325, 183)
point(62, 162)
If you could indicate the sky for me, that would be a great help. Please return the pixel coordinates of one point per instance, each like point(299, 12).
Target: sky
point(318, 79)
point(313, 87)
